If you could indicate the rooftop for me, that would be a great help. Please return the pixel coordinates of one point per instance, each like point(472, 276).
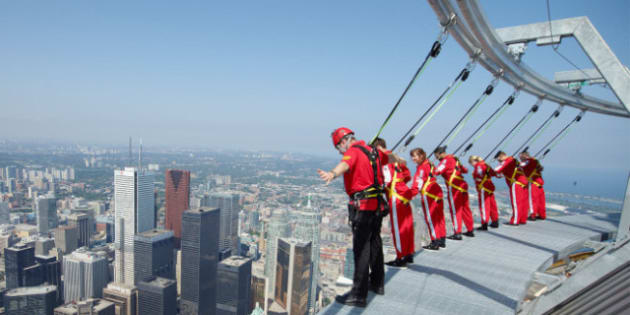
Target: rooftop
point(31, 290)
point(159, 282)
point(235, 261)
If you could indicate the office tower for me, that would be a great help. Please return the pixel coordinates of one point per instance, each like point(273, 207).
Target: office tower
point(16, 258)
point(254, 220)
point(43, 245)
point(234, 277)
point(46, 212)
point(177, 185)
point(259, 292)
point(30, 300)
point(157, 296)
point(229, 206)
point(5, 218)
point(348, 266)
point(7, 239)
point(200, 238)
point(82, 222)
point(123, 296)
point(153, 250)
point(51, 273)
point(67, 238)
point(86, 273)
point(293, 274)
point(307, 230)
point(87, 307)
point(278, 227)
point(134, 206)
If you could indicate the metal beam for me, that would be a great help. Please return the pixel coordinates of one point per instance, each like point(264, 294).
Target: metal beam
point(591, 76)
point(594, 46)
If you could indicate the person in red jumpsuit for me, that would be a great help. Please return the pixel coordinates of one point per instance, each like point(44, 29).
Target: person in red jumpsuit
point(398, 195)
point(517, 183)
point(451, 169)
point(482, 174)
point(533, 171)
point(432, 199)
point(361, 167)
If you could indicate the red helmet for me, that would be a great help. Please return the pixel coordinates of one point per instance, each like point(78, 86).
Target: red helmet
point(339, 133)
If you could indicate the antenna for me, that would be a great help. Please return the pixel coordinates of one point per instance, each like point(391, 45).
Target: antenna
point(140, 157)
point(130, 161)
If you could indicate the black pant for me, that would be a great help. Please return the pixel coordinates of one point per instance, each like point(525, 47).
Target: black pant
point(368, 252)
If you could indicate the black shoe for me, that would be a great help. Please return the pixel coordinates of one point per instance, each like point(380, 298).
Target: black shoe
point(470, 234)
point(483, 227)
point(442, 242)
point(431, 246)
point(494, 224)
point(350, 300)
point(397, 263)
point(540, 218)
point(456, 237)
point(380, 290)
point(408, 259)
point(531, 219)
point(511, 224)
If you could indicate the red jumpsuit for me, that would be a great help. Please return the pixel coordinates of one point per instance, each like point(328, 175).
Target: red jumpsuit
point(432, 199)
point(400, 217)
point(517, 182)
point(452, 171)
point(485, 189)
point(532, 169)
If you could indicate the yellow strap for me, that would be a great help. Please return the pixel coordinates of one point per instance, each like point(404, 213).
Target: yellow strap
point(450, 181)
point(512, 180)
point(392, 188)
point(426, 193)
point(480, 185)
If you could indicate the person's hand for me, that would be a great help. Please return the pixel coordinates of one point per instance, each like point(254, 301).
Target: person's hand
point(326, 176)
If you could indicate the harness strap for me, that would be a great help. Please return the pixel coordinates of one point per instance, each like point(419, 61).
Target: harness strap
point(430, 180)
point(455, 176)
point(512, 180)
point(480, 186)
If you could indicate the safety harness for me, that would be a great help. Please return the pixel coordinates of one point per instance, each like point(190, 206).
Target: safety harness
point(392, 189)
point(430, 180)
point(455, 176)
point(534, 173)
point(516, 171)
point(486, 176)
point(375, 190)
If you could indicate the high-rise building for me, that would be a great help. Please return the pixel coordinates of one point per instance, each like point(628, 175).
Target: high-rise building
point(133, 207)
point(293, 274)
point(123, 296)
point(229, 206)
point(87, 307)
point(348, 266)
point(43, 245)
point(51, 273)
point(154, 255)
point(200, 239)
point(46, 212)
point(234, 277)
point(177, 186)
point(4, 213)
point(16, 259)
point(30, 300)
point(157, 296)
point(84, 229)
point(259, 292)
point(307, 229)
point(277, 227)
point(67, 238)
point(86, 273)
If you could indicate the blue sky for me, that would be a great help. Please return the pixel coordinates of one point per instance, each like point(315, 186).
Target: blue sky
point(274, 75)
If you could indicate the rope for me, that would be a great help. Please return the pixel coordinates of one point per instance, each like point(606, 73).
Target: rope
point(554, 141)
point(517, 126)
point(539, 131)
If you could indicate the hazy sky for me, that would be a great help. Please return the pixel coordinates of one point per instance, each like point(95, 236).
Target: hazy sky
point(275, 75)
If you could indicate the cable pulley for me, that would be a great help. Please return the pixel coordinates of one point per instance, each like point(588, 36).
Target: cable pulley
point(554, 141)
point(434, 52)
point(539, 131)
point(525, 118)
point(450, 89)
point(497, 113)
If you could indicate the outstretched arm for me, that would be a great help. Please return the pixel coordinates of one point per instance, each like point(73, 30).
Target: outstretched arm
point(341, 168)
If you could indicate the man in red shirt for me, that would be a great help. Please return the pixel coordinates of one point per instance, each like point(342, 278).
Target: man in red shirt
point(432, 199)
point(517, 183)
point(482, 174)
point(396, 176)
point(533, 171)
point(361, 166)
point(451, 169)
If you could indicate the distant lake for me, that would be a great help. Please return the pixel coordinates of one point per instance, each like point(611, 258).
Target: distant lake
point(602, 183)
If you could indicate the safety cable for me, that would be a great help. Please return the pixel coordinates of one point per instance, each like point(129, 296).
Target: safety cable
point(517, 126)
point(471, 110)
point(433, 53)
point(539, 131)
point(461, 77)
point(497, 113)
point(559, 136)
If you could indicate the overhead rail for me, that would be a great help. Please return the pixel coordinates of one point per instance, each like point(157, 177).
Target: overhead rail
point(450, 89)
point(516, 127)
point(556, 139)
point(539, 131)
point(433, 53)
point(493, 117)
point(475, 35)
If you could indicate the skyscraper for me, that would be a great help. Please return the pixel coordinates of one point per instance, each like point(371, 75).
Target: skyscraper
point(87, 307)
point(259, 292)
point(46, 211)
point(234, 277)
point(200, 238)
point(278, 227)
point(16, 258)
point(123, 296)
point(157, 296)
point(86, 273)
point(67, 238)
point(134, 206)
point(30, 300)
point(307, 229)
point(293, 274)
point(154, 255)
point(4, 213)
point(177, 195)
point(51, 273)
point(84, 229)
point(228, 234)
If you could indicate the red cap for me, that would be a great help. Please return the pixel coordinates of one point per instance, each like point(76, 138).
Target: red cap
point(339, 133)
